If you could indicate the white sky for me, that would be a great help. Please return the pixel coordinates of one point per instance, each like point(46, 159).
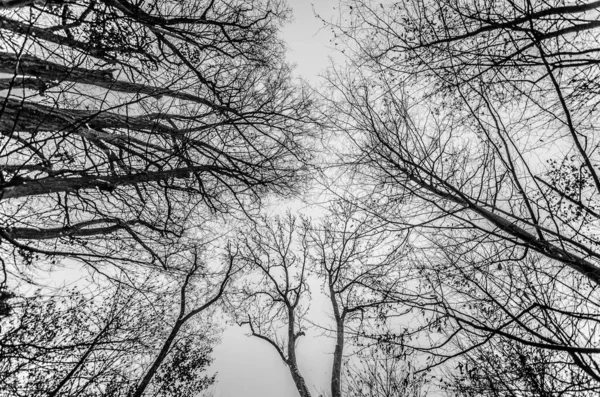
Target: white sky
point(309, 46)
point(247, 366)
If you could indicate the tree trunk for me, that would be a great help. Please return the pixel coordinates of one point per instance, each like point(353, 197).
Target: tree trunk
point(575, 262)
point(8, 4)
point(139, 391)
point(49, 185)
point(336, 371)
point(81, 229)
point(299, 381)
point(28, 65)
point(291, 358)
point(19, 115)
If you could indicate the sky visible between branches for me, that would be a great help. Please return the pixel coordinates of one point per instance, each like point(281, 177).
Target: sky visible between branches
point(247, 366)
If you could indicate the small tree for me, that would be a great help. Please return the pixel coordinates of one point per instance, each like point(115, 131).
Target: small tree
point(273, 300)
point(358, 265)
point(360, 268)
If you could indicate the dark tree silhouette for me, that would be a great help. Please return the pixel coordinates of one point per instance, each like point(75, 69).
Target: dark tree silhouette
point(360, 266)
point(473, 123)
point(506, 368)
point(123, 122)
point(384, 371)
point(272, 301)
point(119, 340)
point(434, 112)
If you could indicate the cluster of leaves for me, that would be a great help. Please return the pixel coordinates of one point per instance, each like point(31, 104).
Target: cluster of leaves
point(96, 346)
point(506, 368)
point(384, 371)
point(71, 344)
point(184, 374)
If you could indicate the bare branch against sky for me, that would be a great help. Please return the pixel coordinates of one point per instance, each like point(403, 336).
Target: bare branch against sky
point(284, 198)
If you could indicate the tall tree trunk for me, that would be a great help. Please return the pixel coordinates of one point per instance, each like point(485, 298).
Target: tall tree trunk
point(336, 371)
point(56, 185)
point(299, 381)
point(291, 358)
point(139, 391)
point(29, 65)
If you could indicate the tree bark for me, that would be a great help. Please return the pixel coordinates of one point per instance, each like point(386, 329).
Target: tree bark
point(291, 358)
point(19, 115)
point(576, 262)
point(28, 65)
point(336, 371)
point(299, 381)
point(30, 83)
point(82, 229)
point(8, 4)
point(49, 185)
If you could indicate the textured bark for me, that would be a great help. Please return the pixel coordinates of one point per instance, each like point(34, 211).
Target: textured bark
point(49, 185)
point(8, 4)
point(299, 381)
point(19, 115)
point(28, 65)
point(82, 229)
point(336, 371)
point(29, 83)
point(24, 64)
point(576, 262)
point(291, 360)
point(54, 233)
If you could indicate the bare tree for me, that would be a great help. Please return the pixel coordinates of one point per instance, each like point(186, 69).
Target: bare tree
point(357, 263)
point(185, 315)
point(120, 343)
point(473, 123)
point(273, 300)
point(125, 128)
point(359, 266)
point(432, 111)
point(123, 124)
point(515, 302)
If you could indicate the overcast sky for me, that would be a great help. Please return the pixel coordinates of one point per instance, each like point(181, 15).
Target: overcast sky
point(247, 366)
point(309, 44)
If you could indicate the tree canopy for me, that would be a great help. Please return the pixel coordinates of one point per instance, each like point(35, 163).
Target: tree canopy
point(454, 149)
